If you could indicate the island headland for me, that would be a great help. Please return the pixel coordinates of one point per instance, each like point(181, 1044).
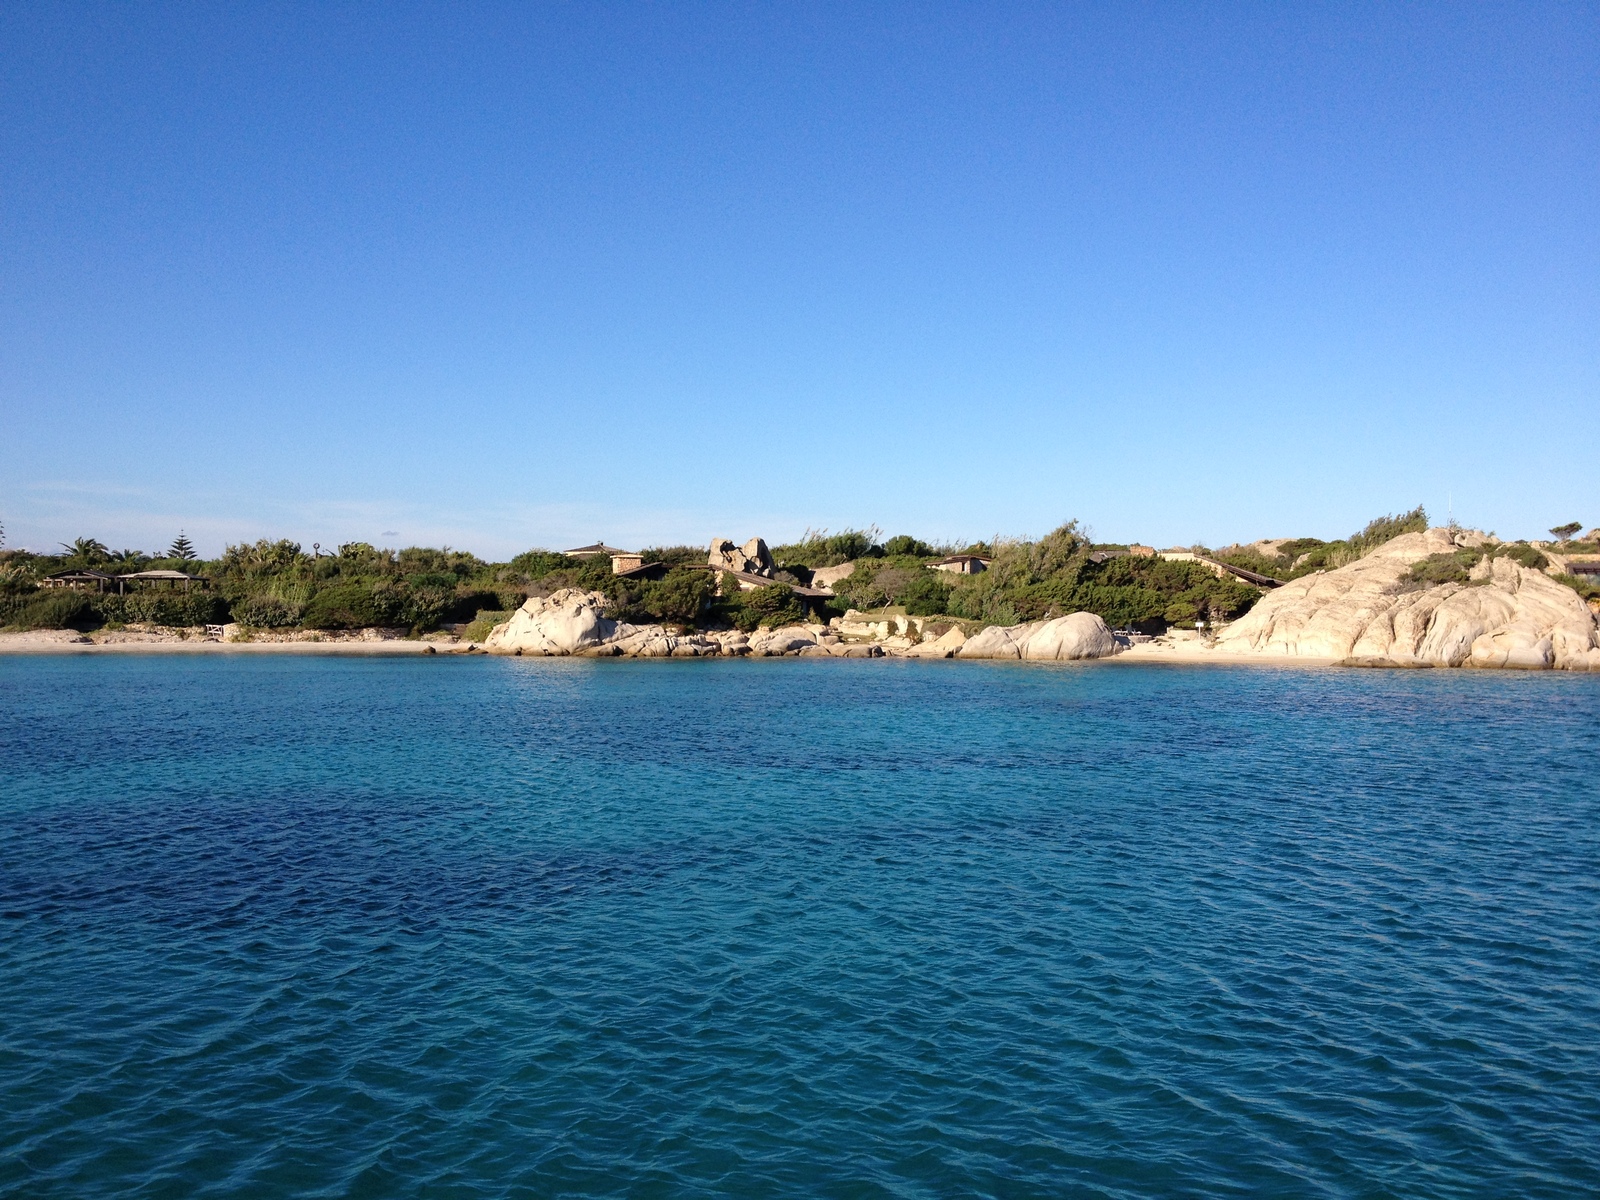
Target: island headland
point(1399, 593)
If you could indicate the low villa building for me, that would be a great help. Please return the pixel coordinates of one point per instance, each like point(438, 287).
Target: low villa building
point(962, 564)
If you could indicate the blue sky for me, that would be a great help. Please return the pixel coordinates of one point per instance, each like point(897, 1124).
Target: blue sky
point(504, 276)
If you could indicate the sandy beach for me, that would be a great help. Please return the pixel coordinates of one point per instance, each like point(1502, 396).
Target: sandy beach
point(58, 641)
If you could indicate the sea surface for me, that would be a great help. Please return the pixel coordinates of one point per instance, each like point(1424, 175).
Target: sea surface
point(281, 926)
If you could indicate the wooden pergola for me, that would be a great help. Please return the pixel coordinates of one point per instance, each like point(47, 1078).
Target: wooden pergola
point(78, 578)
point(156, 578)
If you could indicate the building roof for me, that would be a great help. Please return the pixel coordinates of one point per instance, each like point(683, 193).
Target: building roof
point(597, 549)
point(645, 571)
point(80, 573)
point(174, 575)
point(955, 558)
point(763, 581)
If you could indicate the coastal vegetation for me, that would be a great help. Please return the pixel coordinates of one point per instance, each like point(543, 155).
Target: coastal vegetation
point(1292, 558)
point(1060, 573)
point(275, 585)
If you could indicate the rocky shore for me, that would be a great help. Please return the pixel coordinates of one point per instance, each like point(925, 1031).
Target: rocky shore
point(1376, 611)
point(573, 622)
point(1371, 612)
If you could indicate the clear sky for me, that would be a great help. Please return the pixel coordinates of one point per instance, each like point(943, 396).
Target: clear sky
point(505, 276)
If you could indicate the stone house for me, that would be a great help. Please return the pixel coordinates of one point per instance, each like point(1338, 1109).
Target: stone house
point(962, 564)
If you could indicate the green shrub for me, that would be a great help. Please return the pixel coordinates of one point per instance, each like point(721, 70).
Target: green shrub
point(680, 596)
point(363, 558)
point(772, 606)
point(483, 624)
point(53, 610)
point(179, 609)
point(536, 564)
point(266, 611)
point(819, 548)
point(1253, 560)
point(262, 557)
point(1386, 529)
point(419, 608)
point(16, 580)
point(455, 565)
point(432, 579)
point(1329, 556)
point(903, 580)
point(1452, 566)
point(345, 606)
point(905, 544)
point(1522, 554)
point(775, 605)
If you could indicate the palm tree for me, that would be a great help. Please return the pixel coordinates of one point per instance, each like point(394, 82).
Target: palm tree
point(126, 557)
point(90, 550)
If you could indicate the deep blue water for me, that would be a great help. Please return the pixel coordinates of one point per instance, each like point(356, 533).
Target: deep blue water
point(465, 927)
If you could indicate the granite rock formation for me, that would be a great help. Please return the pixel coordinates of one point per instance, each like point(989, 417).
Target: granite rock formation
point(1078, 635)
point(1372, 611)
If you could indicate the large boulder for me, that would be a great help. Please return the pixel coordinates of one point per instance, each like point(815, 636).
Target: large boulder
point(1078, 635)
point(996, 641)
point(826, 577)
point(1075, 636)
point(570, 621)
point(789, 640)
point(943, 646)
point(1369, 611)
point(753, 558)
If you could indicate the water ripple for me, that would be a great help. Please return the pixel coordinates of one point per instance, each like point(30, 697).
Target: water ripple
point(516, 927)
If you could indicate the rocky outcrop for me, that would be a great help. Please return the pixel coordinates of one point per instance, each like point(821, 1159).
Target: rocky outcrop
point(1506, 615)
point(789, 640)
point(1370, 612)
point(1076, 636)
point(826, 577)
point(571, 621)
point(944, 645)
point(753, 558)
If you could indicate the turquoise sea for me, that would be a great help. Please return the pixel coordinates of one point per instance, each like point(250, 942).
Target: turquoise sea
point(511, 927)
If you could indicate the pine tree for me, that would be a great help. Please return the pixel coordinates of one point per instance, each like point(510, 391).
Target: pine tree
point(182, 548)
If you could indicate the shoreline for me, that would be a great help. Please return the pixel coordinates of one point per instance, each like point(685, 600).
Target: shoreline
point(52, 643)
point(35, 643)
point(59, 642)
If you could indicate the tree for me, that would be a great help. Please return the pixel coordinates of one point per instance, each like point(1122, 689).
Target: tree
point(89, 550)
point(182, 548)
point(1565, 532)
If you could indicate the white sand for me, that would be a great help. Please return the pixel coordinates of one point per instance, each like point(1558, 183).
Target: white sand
point(66, 641)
